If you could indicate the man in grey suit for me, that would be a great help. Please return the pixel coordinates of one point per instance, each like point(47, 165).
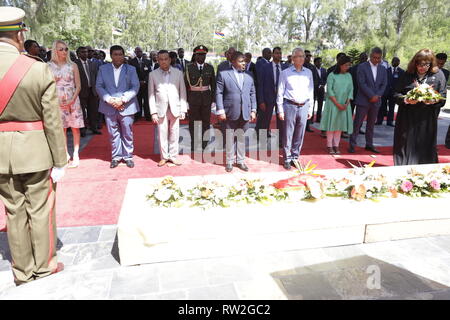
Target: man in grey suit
point(236, 106)
point(226, 65)
point(117, 86)
point(372, 82)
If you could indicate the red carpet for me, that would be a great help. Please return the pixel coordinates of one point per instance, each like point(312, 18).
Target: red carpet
point(93, 193)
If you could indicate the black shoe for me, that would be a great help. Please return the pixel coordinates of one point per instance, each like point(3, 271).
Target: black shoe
point(390, 124)
point(148, 119)
point(229, 167)
point(287, 165)
point(242, 166)
point(351, 149)
point(362, 132)
point(372, 148)
point(114, 164)
point(83, 132)
point(96, 132)
point(344, 135)
point(130, 163)
point(309, 129)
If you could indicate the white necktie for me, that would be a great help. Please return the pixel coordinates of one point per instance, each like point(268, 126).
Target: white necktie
point(86, 70)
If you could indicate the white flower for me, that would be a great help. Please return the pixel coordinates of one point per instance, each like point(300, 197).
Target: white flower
point(221, 192)
point(163, 194)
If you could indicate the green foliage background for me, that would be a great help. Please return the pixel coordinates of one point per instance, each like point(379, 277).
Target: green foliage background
point(326, 27)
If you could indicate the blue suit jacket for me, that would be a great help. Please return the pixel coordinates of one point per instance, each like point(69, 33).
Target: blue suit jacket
point(232, 99)
point(367, 88)
point(267, 92)
point(392, 80)
point(128, 88)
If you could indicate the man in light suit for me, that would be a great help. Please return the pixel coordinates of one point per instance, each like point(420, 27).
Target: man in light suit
point(167, 96)
point(372, 82)
point(236, 106)
point(88, 94)
point(117, 87)
point(268, 90)
point(226, 65)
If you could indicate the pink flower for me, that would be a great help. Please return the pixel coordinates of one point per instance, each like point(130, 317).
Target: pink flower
point(435, 185)
point(406, 186)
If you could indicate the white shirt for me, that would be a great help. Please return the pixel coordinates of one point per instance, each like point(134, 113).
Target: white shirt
point(200, 65)
point(374, 70)
point(274, 66)
point(319, 73)
point(239, 77)
point(117, 74)
point(86, 71)
point(297, 86)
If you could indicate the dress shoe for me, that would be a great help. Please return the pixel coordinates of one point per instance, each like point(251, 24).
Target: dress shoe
point(242, 166)
point(330, 150)
point(309, 129)
point(175, 162)
point(336, 150)
point(351, 149)
point(229, 167)
point(130, 163)
point(344, 135)
point(373, 149)
point(96, 132)
point(114, 164)
point(162, 163)
point(287, 165)
point(390, 124)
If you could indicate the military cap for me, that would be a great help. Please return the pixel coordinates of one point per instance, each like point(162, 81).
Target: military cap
point(200, 49)
point(11, 19)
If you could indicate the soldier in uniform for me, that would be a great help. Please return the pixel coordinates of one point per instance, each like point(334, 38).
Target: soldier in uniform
point(201, 92)
point(32, 149)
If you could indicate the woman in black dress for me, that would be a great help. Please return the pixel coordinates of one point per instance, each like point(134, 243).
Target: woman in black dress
point(416, 124)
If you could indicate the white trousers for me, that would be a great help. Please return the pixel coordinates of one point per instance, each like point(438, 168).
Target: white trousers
point(169, 135)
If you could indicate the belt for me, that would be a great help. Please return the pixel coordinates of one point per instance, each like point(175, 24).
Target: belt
point(201, 89)
point(10, 126)
point(294, 103)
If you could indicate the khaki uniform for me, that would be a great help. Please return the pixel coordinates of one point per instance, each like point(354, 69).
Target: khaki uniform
point(26, 188)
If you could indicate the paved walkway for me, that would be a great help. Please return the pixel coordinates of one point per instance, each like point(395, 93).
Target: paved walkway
point(406, 269)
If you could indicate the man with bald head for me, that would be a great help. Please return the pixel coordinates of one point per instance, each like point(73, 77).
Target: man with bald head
point(226, 65)
point(143, 68)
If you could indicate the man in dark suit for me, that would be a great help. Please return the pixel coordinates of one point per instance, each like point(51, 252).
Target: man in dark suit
point(88, 94)
point(154, 60)
point(226, 65)
point(372, 82)
point(267, 91)
point(143, 67)
point(181, 60)
point(259, 66)
point(249, 65)
point(236, 106)
point(393, 74)
point(313, 69)
point(319, 90)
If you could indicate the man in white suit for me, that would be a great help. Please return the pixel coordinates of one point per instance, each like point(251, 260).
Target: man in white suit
point(167, 98)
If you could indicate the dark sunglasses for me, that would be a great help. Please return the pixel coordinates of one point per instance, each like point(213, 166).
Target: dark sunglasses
point(63, 49)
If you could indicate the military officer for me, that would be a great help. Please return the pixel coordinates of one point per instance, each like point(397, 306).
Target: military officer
point(201, 92)
point(32, 149)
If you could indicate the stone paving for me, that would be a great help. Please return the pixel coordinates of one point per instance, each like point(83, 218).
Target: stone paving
point(405, 269)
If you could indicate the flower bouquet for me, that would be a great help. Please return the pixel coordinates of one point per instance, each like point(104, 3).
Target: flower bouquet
point(418, 184)
point(424, 93)
point(209, 194)
point(248, 191)
point(166, 194)
point(312, 184)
